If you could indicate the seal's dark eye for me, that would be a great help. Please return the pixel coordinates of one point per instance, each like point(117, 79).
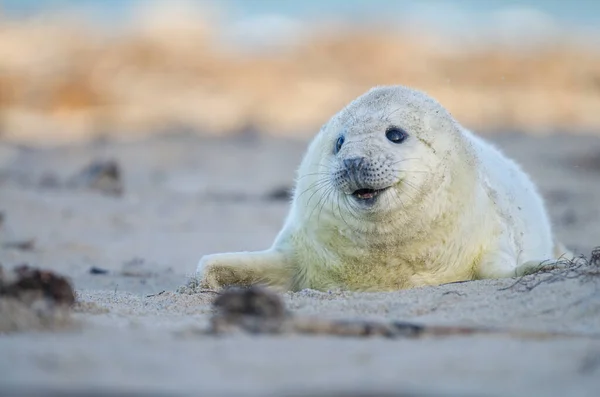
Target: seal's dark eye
point(396, 135)
point(338, 144)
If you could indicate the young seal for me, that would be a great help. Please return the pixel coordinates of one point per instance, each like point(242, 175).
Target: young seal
point(394, 193)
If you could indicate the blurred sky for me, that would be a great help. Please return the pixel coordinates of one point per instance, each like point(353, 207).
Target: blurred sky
point(256, 23)
point(176, 56)
point(580, 12)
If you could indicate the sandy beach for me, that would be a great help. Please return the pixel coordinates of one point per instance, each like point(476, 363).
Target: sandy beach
point(186, 195)
point(197, 122)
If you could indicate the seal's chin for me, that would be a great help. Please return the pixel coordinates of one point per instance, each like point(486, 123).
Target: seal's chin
point(367, 197)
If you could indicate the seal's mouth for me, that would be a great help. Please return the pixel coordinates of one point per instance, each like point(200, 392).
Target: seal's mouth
point(366, 194)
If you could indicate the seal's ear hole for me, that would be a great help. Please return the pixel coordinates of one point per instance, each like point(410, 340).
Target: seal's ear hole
point(395, 134)
point(338, 144)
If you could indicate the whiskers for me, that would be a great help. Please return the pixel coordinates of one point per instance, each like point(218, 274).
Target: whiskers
point(315, 187)
point(322, 191)
point(320, 199)
point(397, 170)
point(313, 174)
point(326, 199)
point(351, 207)
point(384, 117)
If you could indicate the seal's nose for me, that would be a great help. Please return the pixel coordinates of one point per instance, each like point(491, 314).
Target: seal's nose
point(354, 164)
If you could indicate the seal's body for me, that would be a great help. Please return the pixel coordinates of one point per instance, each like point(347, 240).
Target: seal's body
point(393, 193)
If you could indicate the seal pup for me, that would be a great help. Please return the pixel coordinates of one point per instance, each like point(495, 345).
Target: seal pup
point(394, 193)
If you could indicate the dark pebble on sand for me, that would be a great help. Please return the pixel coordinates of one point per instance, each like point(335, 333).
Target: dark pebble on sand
point(98, 270)
point(283, 193)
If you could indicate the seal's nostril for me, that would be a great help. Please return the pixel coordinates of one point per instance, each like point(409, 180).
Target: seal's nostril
point(355, 164)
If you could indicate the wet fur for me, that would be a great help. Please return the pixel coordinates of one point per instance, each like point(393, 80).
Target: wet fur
point(458, 209)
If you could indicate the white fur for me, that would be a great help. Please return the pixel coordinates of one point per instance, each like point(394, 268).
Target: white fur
point(460, 209)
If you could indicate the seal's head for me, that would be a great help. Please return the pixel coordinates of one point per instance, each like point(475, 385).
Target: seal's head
point(382, 152)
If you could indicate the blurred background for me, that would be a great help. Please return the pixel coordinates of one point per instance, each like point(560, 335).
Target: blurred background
point(76, 69)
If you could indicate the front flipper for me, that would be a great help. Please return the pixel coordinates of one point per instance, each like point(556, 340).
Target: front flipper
point(272, 268)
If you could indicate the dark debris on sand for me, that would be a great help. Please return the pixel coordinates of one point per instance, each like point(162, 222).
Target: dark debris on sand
point(104, 176)
point(98, 270)
point(253, 309)
point(22, 245)
point(257, 310)
point(34, 299)
point(582, 268)
point(283, 193)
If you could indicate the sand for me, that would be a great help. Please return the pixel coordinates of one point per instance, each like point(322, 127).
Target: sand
point(185, 196)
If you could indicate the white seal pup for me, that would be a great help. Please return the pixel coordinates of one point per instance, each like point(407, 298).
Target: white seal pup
point(394, 193)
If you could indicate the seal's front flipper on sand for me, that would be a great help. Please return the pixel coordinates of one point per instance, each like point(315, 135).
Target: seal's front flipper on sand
point(269, 267)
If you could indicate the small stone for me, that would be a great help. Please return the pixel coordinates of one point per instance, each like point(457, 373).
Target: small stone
point(98, 270)
point(136, 267)
point(283, 193)
point(103, 176)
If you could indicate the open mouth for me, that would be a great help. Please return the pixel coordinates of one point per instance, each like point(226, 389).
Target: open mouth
point(366, 194)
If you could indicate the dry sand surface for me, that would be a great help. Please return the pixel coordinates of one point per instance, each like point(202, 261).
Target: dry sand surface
point(185, 196)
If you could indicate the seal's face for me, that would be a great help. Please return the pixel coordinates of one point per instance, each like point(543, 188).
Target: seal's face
point(384, 150)
point(364, 174)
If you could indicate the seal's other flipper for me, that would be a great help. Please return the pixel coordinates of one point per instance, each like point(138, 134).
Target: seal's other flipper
point(270, 268)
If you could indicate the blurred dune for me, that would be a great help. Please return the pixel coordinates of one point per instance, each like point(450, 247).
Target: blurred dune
point(62, 78)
